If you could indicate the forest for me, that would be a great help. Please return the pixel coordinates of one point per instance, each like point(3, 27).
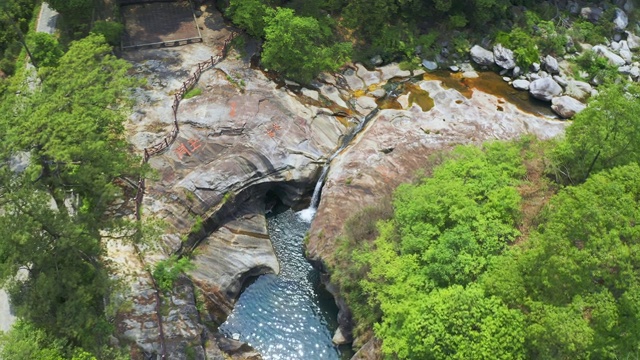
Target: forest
point(510, 250)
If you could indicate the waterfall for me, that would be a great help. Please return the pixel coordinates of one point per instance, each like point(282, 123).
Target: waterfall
point(309, 213)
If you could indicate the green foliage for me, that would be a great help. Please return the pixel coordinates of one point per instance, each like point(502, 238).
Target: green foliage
point(577, 280)
point(452, 323)
point(111, 30)
point(54, 213)
point(443, 233)
point(45, 49)
point(300, 47)
point(249, 15)
point(24, 341)
point(166, 271)
point(523, 45)
point(597, 67)
point(603, 135)
point(192, 93)
point(76, 13)
point(14, 23)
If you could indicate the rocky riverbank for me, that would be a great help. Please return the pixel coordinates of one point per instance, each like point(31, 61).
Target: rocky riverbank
point(245, 138)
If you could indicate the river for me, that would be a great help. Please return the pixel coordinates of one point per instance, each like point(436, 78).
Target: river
point(287, 316)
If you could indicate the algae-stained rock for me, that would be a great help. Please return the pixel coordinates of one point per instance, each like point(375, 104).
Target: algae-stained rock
point(544, 89)
point(566, 106)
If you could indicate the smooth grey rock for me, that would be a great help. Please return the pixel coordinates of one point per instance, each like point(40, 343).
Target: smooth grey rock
point(615, 46)
point(376, 60)
point(620, 20)
point(633, 41)
point(626, 55)
point(430, 65)
point(543, 74)
point(628, 6)
point(625, 70)
point(617, 36)
point(481, 56)
point(454, 68)
point(521, 84)
point(516, 71)
point(551, 64)
point(573, 8)
point(506, 78)
point(338, 338)
point(592, 14)
point(624, 45)
point(635, 72)
point(544, 89)
point(614, 59)
point(378, 93)
point(534, 76)
point(503, 57)
point(566, 106)
point(535, 67)
point(503, 72)
point(560, 80)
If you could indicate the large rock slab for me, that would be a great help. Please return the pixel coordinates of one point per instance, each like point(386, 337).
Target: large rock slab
point(578, 90)
point(544, 89)
point(612, 57)
point(566, 106)
point(398, 142)
point(240, 249)
point(481, 56)
point(503, 57)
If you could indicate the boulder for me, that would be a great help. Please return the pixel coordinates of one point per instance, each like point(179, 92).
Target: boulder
point(635, 72)
point(521, 84)
point(481, 56)
point(592, 14)
point(535, 67)
point(454, 68)
point(503, 57)
point(620, 20)
point(566, 106)
point(376, 60)
point(613, 59)
point(626, 55)
point(517, 71)
point(551, 64)
point(633, 41)
point(430, 65)
point(560, 80)
point(544, 89)
point(625, 70)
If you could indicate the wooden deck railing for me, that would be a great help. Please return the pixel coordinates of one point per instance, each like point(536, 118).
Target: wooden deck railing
point(158, 148)
point(168, 139)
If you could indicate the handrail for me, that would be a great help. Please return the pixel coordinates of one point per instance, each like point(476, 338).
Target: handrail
point(161, 146)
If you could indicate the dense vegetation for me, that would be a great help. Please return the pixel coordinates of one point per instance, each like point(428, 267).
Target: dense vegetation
point(14, 24)
point(448, 274)
point(63, 149)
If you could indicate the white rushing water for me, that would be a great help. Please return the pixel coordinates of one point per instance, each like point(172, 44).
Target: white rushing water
point(309, 213)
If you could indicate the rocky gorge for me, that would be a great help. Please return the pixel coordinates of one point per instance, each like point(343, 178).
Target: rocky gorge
point(246, 141)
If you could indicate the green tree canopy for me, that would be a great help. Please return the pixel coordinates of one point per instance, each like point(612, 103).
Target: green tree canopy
point(602, 136)
point(300, 47)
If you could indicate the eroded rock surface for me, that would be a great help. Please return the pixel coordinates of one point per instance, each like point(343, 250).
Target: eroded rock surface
point(398, 142)
point(240, 249)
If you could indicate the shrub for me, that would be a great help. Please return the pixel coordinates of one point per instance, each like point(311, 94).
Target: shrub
point(166, 271)
point(112, 31)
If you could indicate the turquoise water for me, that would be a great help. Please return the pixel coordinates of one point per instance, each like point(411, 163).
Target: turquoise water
point(287, 316)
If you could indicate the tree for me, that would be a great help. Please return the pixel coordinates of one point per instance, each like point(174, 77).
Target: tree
point(602, 136)
point(452, 323)
point(298, 47)
point(249, 15)
point(46, 50)
point(14, 16)
point(75, 12)
point(577, 279)
point(54, 213)
point(73, 126)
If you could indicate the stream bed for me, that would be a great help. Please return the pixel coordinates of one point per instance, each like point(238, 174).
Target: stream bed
point(287, 316)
